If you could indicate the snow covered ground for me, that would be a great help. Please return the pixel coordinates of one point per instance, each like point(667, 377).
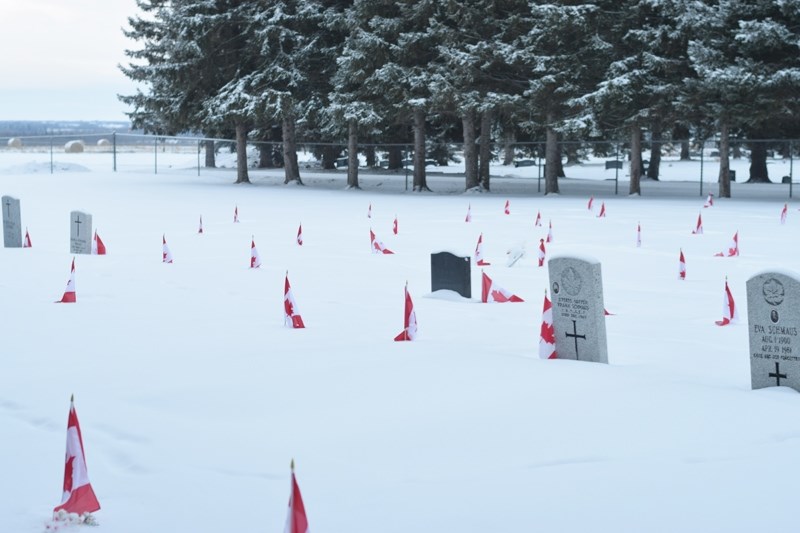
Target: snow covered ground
point(193, 397)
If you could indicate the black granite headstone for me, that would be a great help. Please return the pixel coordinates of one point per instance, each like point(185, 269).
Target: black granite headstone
point(451, 272)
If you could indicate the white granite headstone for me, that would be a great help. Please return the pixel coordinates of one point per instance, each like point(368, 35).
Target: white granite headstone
point(80, 232)
point(12, 223)
point(773, 316)
point(578, 313)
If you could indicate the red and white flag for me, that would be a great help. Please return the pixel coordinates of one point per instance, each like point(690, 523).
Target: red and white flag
point(291, 315)
point(468, 218)
point(507, 208)
point(590, 206)
point(784, 212)
point(394, 225)
point(730, 315)
point(493, 293)
point(479, 252)
point(300, 235)
point(78, 496)
point(542, 252)
point(255, 259)
point(296, 520)
point(699, 229)
point(369, 211)
point(733, 248)
point(709, 200)
point(550, 233)
point(538, 222)
point(69, 293)
point(26, 242)
point(547, 337)
point(98, 247)
point(236, 214)
point(377, 246)
point(602, 213)
point(638, 235)
point(166, 255)
point(409, 332)
point(200, 229)
point(681, 267)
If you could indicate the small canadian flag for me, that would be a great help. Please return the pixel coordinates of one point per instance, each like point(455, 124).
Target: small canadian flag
point(638, 235)
point(255, 259)
point(542, 252)
point(493, 293)
point(236, 214)
point(98, 247)
point(681, 266)
point(550, 233)
point(369, 211)
point(468, 218)
point(26, 243)
point(296, 520)
point(291, 315)
point(709, 200)
point(166, 255)
point(538, 222)
point(784, 212)
point(730, 315)
point(377, 246)
point(300, 235)
point(547, 337)
point(479, 252)
point(507, 208)
point(733, 248)
point(394, 225)
point(602, 213)
point(699, 229)
point(590, 206)
point(200, 229)
point(409, 332)
point(69, 293)
point(78, 496)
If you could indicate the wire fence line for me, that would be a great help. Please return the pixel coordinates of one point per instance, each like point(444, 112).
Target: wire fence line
point(525, 158)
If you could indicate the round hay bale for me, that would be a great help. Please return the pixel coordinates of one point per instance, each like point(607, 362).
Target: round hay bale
point(103, 142)
point(74, 147)
point(15, 142)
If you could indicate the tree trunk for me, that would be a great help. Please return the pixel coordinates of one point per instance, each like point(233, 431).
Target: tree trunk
point(352, 155)
point(369, 152)
point(552, 158)
point(329, 154)
point(211, 161)
point(241, 153)
point(724, 161)
point(291, 170)
point(572, 154)
point(419, 151)
point(758, 164)
point(395, 157)
point(508, 146)
point(470, 151)
point(636, 160)
point(655, 153)
point(485, 149)
point(264, 156)
point(682, 133)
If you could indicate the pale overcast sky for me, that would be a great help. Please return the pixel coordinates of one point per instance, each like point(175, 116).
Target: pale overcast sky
point(59, 59)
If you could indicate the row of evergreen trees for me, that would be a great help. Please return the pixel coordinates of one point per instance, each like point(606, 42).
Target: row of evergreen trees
point(383, 70)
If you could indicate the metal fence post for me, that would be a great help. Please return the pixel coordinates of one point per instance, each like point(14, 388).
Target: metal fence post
point(791, 168)
point(199, 147)
point(702, 149)
point(51, 155)
point(114, 149)
point(155, 155)
point(616, 169)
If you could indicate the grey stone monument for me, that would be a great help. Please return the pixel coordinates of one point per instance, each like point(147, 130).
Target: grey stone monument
point(12, 223)
point(80, 232)
point(773, 315)
point(451, 272)
point(578, 314)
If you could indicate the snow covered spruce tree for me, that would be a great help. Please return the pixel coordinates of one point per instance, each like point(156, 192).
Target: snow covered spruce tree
point(745, 54)
point(566, 56)
point(479, 72)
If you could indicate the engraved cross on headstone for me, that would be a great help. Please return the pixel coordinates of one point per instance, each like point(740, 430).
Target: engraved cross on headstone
point(77, 224)
point(575, 336)
point(777, 374)
point(8, 208)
